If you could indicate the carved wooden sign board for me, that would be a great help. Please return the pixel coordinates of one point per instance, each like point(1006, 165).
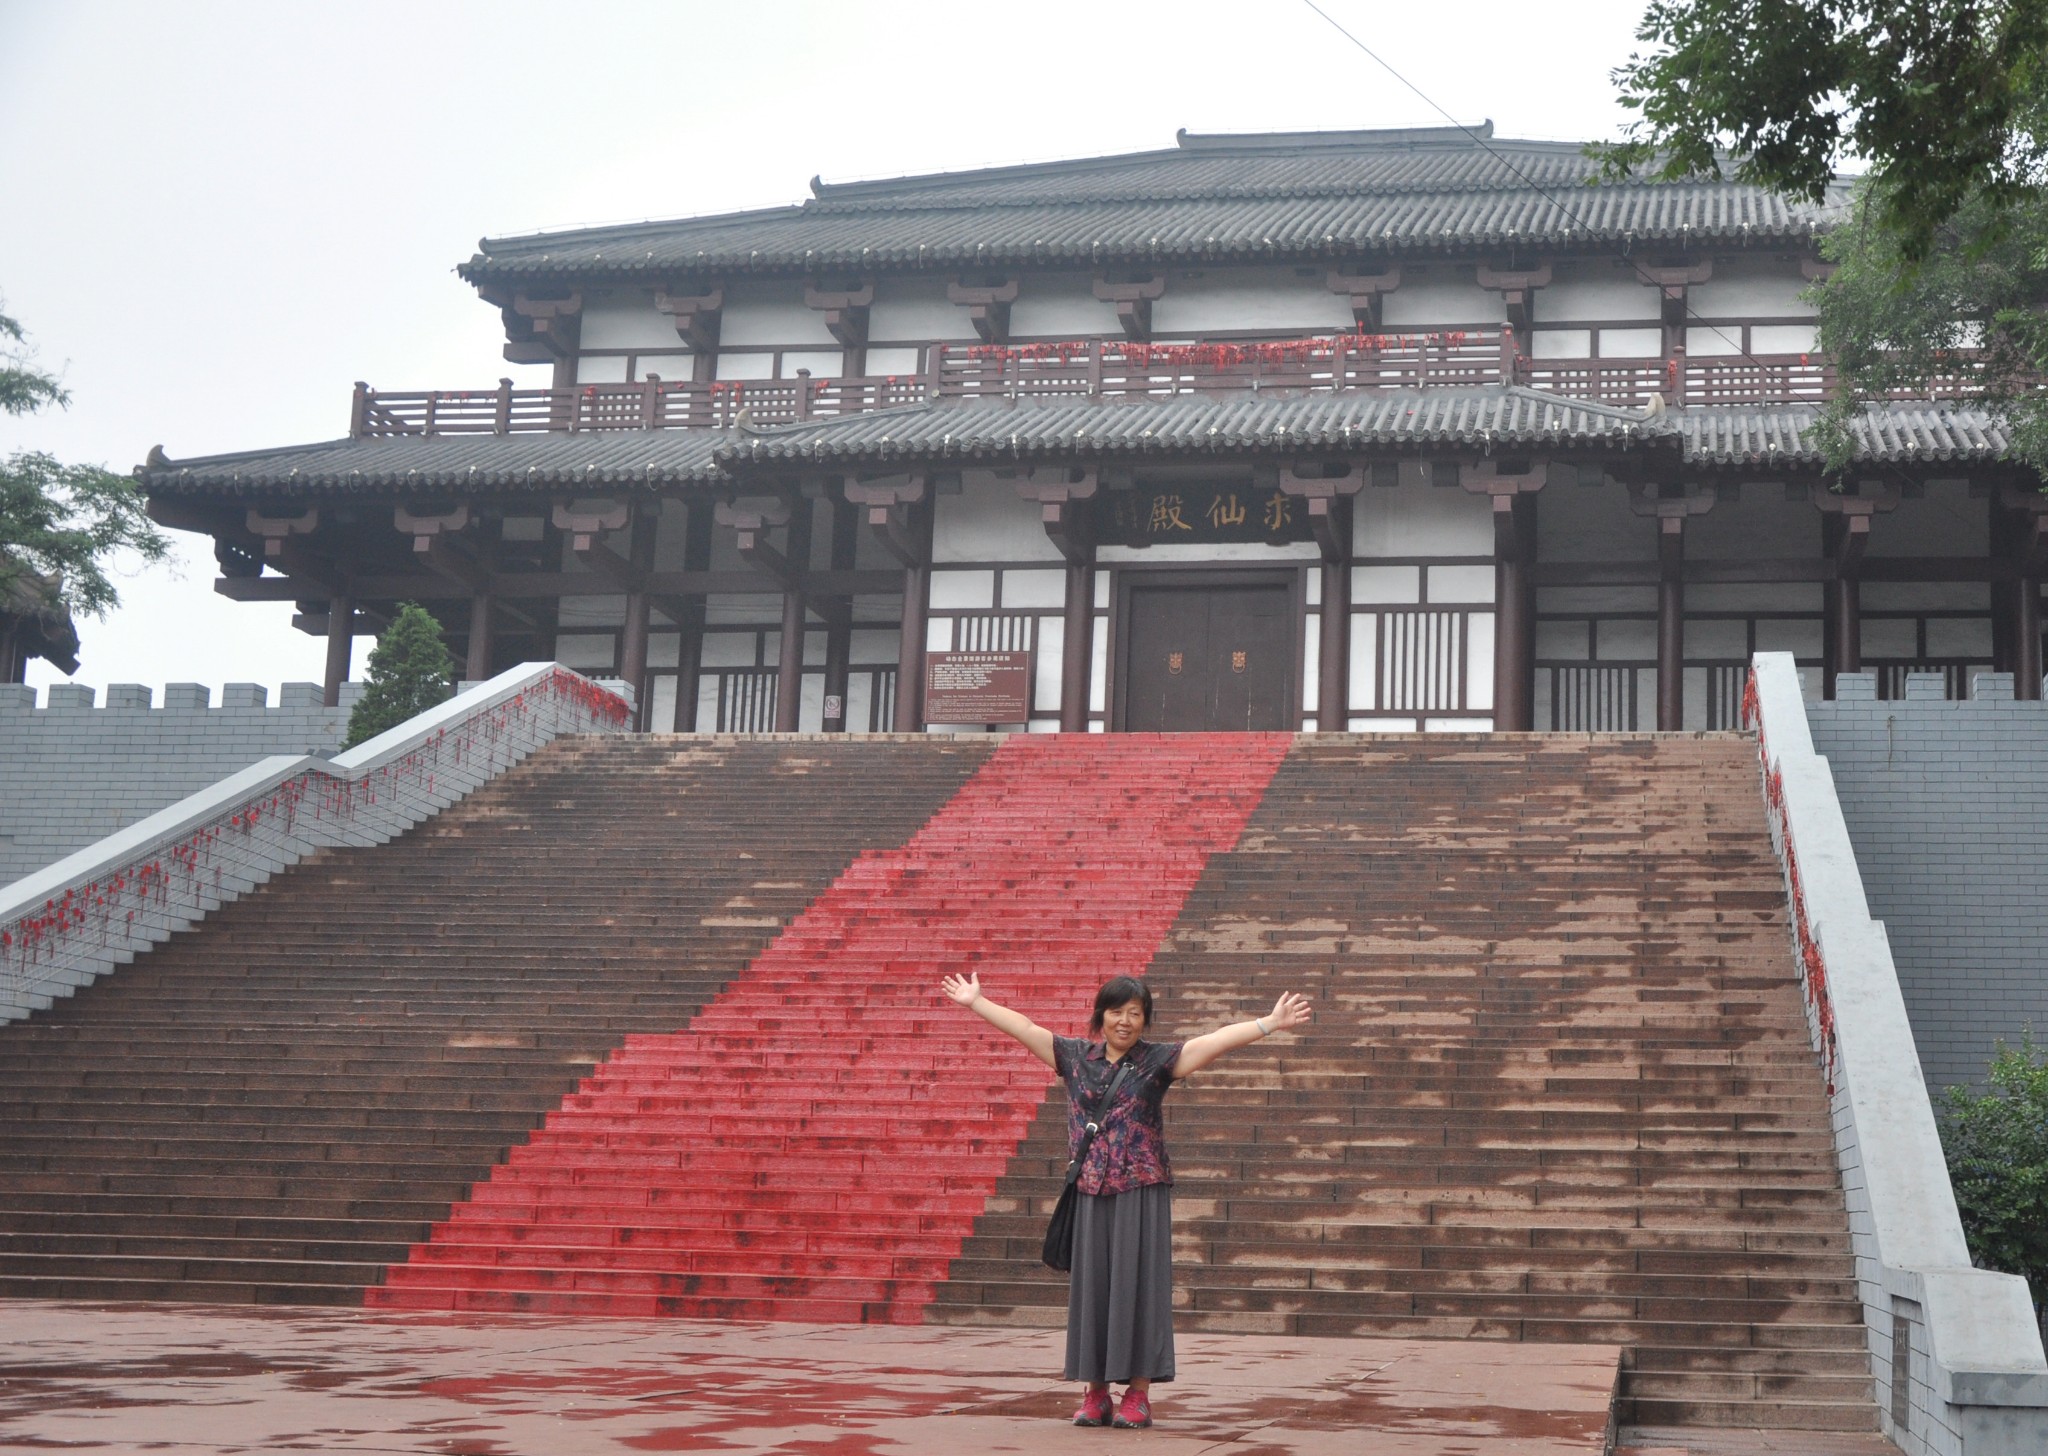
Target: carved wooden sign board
point(977, 687)
point(1201, 515)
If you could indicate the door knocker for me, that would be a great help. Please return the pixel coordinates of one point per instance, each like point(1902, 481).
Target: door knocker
point(1174, 662)
point(1237, 662)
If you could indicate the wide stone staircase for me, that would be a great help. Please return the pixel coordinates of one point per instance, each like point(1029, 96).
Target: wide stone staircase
point(1559, 1086)
point(274, 1107)
point(651, 1026)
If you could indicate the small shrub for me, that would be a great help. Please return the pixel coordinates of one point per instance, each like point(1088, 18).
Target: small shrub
point(410, 671)
point(1997, 1150)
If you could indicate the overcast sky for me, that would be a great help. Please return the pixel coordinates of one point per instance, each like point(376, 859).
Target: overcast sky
point(214, 217)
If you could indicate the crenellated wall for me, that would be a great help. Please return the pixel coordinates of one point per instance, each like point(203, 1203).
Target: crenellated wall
point(72, 772)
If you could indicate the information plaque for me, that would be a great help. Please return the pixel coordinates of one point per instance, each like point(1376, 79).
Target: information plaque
point(977, 687)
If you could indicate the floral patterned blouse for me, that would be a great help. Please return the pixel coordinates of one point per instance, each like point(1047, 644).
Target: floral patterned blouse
point(1130, 1151)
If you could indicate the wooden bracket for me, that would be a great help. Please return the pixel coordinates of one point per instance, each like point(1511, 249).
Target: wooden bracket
point(424, 528)
point(1061, 493)
point(540, 330)
point(2032, 547)
point(1514, 287)
point(274, 529)
point(1367, 292)
point(586, 521)
point(845, 310)
point(1322, 490)
point(751, 520)
point(886, 504)
point(1133, 299)
point(987, 305)
point(695, 315)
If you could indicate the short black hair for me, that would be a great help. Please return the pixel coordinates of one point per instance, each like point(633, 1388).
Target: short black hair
point(1117, 991)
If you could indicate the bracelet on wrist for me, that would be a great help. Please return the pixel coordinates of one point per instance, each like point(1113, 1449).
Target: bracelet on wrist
point(1260, 1023)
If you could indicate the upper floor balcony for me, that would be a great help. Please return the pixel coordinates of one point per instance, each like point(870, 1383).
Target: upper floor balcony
point(1109, 369)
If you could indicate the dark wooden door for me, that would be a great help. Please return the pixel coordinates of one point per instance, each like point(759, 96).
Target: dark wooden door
point(1208, 659)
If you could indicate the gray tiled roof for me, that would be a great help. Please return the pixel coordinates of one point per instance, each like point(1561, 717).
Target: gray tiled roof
point(1328, 196)
point(1783, 434)
point(453, 463)
point(965, 432)
point(976, 430)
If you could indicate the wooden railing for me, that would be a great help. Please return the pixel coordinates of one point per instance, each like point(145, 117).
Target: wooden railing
point(1104, 369)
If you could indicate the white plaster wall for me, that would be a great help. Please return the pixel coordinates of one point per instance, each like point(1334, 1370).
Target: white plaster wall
point(600, 369)
point(1631, 343)
point(1751, 288)
point(1200, 555)
point(1218, 300)
point(962, 590)
point(916, 310)
point(892, 359)
point(1724, 639)
point(1420, 520)
point(1709, 342)
point(585, 652)
point(627, 321)
point(592, 612)
point(748, 609)
point(1561, 344)
point(1035, 588)
point(730, 649)
point(1479, 663)
point(1565, 601)
point(1046, 665)
point(772, 313)
point(1386, 585)
point(989, 521)
point(1783, 339)
point(745, 366)
point(1060, 306)
point(1564, 641)
point(1751, 596)
point(1460, 585)
point(1596, 293)
point(1441, 297)
point(1925, 596)
point(822, 363)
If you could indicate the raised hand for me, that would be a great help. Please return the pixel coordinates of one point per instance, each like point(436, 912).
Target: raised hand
point(962, 990)
point(1289, 1011)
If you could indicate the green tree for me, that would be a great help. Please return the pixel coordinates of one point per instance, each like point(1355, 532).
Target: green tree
point(1936, 97)
point(410, 672)
point(1997, 1151)
point(61, 526)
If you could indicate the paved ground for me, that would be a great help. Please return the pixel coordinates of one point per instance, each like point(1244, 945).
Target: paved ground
point(186, 1378)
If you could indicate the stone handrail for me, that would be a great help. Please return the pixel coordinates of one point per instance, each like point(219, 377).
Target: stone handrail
point(65, 925)
point(1975, 1381)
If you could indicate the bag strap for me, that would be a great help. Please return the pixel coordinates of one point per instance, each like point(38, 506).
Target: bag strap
point(1093, 1127)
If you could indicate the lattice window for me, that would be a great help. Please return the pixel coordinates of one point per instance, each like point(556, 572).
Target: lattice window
point(746, 700)
point(992, 632)
point(1593, 699)
point(1725, 684)
point(1421, 661)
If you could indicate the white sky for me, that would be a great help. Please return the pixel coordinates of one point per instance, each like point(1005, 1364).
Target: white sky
point(214, 217)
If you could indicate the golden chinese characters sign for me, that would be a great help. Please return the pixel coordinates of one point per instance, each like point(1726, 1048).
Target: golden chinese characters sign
point(1203, 515)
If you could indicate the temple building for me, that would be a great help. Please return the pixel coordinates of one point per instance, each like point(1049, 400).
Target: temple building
point(1386, 430)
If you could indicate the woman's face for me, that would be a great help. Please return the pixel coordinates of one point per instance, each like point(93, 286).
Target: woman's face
point(1122, 1025)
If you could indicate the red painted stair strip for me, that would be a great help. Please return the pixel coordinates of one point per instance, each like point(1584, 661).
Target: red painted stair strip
point(818, 1142)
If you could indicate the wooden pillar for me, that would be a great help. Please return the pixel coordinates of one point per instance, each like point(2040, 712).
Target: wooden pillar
point(2026, 683)
point(1333, 675)
point(789, 668)
point(690, 624)
point(478, 667)
point(341, 626)
point(839, 630)
point(909, 716)
point(633, 638)
point(1670, 624)
point(1514, 646)
point(1848, 615)
point(1078, 653)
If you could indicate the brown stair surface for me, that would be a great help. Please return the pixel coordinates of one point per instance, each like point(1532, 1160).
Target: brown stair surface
point(1559, 1086)
point(275, 1106)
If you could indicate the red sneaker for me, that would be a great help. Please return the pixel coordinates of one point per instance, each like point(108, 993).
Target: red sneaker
point(1135, 1413)
point(1094, 1409)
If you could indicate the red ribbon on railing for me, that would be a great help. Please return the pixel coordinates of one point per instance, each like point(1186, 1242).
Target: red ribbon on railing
point(1813, 968)
point(1218, 355)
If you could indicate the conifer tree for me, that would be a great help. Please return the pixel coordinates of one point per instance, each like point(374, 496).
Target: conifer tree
point(410, 671)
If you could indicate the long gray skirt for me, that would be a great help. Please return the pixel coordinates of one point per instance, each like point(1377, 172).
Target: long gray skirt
point(1120, 1293)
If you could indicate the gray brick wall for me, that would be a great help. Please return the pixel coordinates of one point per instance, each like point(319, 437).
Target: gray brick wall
point(1947, 804)
point(71, 772)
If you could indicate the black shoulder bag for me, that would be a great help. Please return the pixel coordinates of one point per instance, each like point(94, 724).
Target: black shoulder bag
point(1058, 1252)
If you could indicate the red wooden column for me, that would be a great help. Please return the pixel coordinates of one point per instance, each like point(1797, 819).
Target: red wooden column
point(839, 622)
point(633, 638)
point(1671, 506)
point(789, 668)
point(1845, 535)
point(1328, 490)
point(689, 611)
point(1514, 588)
point(899, 514)
point(341, 626)
point(2027, 535)
point(478, 665)
point(1064, 496)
